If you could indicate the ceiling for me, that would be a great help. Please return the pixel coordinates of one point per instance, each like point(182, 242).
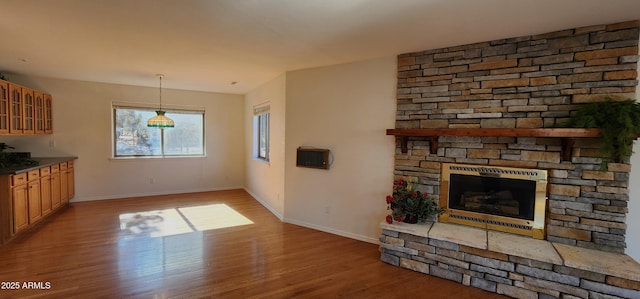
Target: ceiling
point(205, 45)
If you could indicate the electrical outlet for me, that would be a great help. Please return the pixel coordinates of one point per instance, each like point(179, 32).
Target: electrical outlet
point(151, 181)
point(327, 210)
point(52, 143)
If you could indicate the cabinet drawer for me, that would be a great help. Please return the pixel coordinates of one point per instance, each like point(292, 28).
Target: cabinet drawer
point(33, 175)
point(45, 171)
point(63, 166)
point(55, 168)
point(18, 179)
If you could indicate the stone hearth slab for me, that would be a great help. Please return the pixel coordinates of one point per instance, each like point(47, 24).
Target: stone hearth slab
point(464, 235)
point(614, 264)
point(534, 249)
point(421, 230)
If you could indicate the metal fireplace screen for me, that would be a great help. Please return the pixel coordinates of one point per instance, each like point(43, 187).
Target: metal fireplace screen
point(498, 198)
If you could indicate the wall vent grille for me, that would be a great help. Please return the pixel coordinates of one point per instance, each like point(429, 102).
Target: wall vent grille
point(491, 170)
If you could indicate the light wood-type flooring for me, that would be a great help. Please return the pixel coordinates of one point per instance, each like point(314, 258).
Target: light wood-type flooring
point(177, 246)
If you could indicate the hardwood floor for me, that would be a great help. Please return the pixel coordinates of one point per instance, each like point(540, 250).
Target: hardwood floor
point(86, 252)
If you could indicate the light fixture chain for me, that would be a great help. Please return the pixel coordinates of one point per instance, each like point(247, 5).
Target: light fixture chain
point(160, 92)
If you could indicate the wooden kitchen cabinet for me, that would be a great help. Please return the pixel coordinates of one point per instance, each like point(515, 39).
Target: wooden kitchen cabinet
point(20, 203)
point(27, 207)
point(45, 191)
point(55, 186)
point(15, 109)
point(24, 111)
point(48, 114)
point(4, 107)
point(20, 208)
point(39, 112)
point(64, 183)
point(71, 179)
point(28, 197)
point(33, 196)
point(28, 115)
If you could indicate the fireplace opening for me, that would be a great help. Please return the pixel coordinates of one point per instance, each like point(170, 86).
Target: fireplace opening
point(497, 198)
point(493, 195)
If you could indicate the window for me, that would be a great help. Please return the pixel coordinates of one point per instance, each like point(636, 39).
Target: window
point(261, 121)
point(132, 137)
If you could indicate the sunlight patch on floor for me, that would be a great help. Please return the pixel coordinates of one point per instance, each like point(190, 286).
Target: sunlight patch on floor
point(162, 223)
point(158, 223)
point(213, 216)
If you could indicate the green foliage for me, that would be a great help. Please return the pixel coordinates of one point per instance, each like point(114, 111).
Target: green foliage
point(4, 146)
point(133, 124)
point(619, 124)
point(12, 160)
point(405, 202)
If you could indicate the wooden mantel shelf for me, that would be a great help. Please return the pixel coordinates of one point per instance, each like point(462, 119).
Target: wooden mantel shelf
point(568, 135)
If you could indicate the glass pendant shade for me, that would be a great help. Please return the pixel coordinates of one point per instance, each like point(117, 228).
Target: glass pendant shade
point(160, 120)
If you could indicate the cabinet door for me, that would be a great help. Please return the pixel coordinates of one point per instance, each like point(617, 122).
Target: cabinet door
point(45, 195)
point(4, 107)
point(55, 190)
point(35, 206)
point(39, 112)
point(64, 183)
point(15, 111)
point(28, 115)
point(71, 180)
point(48, 114)
point(20, 208)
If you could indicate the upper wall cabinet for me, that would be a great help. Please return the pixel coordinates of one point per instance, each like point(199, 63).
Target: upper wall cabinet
point(15, 111)
point(48, 114)
point(24, 111)
point(28, 119)
point(4, 107)
point(39, 112)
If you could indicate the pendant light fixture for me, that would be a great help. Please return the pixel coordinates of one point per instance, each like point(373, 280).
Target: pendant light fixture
point(160, 121)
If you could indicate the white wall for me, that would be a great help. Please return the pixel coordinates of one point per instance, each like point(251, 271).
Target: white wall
point(345, 108)
point(265, 181)
point(633, 218)
point(82, 128)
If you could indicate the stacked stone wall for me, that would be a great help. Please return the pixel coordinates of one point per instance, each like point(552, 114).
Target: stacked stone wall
point(500, 273)
point(526, 82)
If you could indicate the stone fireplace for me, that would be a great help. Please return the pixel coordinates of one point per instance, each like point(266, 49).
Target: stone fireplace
point(462, 95)
point(498, 198)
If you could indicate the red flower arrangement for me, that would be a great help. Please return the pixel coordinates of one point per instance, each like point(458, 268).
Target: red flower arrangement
point(410, 206)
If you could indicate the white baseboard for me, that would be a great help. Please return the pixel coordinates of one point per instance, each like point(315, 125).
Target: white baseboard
point(142, 194)
point(265, 204)
point(333, 231)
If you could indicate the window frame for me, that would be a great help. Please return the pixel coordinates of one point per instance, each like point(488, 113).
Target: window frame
point(162, 138)
point(262, 121)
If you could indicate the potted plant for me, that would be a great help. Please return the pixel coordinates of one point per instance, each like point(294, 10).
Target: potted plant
point(409, 205)
point(619, 124)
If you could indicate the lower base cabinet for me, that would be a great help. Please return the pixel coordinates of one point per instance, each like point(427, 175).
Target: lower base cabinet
point(29, 197)
point(20, 208)
point(35, 203)
point(45, 192)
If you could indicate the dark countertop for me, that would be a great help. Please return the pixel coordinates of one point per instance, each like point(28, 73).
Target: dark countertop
point(44, 162)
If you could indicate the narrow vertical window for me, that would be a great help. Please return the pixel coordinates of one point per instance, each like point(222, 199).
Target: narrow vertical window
point(262, 115)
